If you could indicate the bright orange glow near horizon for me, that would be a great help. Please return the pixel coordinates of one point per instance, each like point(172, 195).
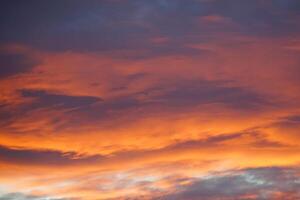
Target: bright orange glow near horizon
point(150, 100)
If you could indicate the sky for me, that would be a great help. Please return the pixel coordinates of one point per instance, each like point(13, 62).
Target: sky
point(150, 100)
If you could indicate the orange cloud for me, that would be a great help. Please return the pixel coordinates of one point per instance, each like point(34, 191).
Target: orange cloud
point(92, 125)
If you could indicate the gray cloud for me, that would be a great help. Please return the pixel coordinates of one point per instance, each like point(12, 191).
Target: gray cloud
point(257, 183)
point(21, 196)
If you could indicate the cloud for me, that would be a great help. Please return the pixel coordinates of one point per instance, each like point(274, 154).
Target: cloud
point(130, 25)
point(46, 99)
point(20, 196)
point(15, 63)
point(208, 92)
point(285, 130)
point(256, 183)
point(167, 99)
point(44, 157)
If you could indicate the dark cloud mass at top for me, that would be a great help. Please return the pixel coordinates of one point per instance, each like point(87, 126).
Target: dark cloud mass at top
point(114, 25)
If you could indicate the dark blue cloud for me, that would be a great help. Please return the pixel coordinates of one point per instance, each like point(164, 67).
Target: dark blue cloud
point(181, 96)
point(15, 63)
point(46, 99)
point(265, 18)
point(289, 122)
point(116, 25)
point(192, 93)
point(44, 157)
point(176, 97)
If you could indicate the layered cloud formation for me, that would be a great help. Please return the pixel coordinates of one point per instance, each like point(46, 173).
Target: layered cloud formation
point(150, 100)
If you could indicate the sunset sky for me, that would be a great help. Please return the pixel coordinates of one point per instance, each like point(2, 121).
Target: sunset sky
point(149, 100)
